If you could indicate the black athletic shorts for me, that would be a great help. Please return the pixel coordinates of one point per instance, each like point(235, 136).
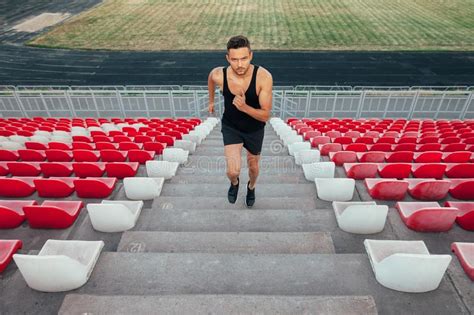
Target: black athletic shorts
point(252, 140)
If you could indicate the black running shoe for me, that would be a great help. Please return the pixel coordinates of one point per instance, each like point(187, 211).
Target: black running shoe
point(233, 191)
point(250, 199)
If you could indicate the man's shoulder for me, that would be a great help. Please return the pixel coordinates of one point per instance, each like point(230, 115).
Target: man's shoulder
point(264, 75)
point(217, 73)
point(217, 70)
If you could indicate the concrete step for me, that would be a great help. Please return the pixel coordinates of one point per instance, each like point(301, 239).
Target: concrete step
point(209, 168)
point(217, 304)
point(219, 142)
point(221, 203)
point(219, 150)
point(222, 179)
point(199, 273)
point(277, 161)
point(227, 242)
point(238, 220)
point(267, 136)
point(218, 190)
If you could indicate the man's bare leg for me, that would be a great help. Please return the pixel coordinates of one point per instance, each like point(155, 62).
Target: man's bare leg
point(233, 158)
point(253, 165)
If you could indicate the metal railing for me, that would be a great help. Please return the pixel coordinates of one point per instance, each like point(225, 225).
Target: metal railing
point(176, 101)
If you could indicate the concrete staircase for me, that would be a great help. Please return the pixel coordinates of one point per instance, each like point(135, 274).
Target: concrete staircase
point(192, 252)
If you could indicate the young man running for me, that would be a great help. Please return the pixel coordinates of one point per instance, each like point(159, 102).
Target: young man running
point(247, 91)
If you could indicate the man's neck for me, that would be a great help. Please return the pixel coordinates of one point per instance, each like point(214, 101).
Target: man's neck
point(245, 75)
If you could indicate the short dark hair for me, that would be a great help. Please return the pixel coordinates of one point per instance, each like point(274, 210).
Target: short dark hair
point(238, 42)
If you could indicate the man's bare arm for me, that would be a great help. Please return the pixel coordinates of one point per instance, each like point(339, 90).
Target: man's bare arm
point(211, 87)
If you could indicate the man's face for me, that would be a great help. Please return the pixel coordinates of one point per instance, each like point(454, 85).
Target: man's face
point(239, 59)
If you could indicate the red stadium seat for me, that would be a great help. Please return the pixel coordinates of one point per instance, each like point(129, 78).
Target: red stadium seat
point(58, 156)
point(386, 189)
point(142, 139)
point(113, 156)
point(96, 139)
point(371, 157)
point(428, 147)
point(162, 129)
point(399, 157)
point(53, 214)
point(28, 155)
point(156, 147)
point(56, 169)
point(427, 216)
point(428, 170)
point(384, 147)
point(24, 168)
point(386, 140)
point(428, 157)
point(356, 147)
point(365, 139)
point(465, 217)
point(121, 169)
point(11, 212)
point(341, 157)
point(316, 141)
point(361, 170)
point(403, 140)
point(85, 156)
point(16, 186)
point(83, 146)
point(59, 146)
point(174, 133)
point(121, 138)
point(342, 140)
point(7, 249)
point(54, 187)
point(99, 133)
point(404, 147)
point(457, 157)
point(127, 146)
point(140, 156)
point(94, 187)
point(448, 140)
point(324, 149)
point(394, 170)
point(424, 140)
point(106, 146)
point(460, 170)
point(465, 254)
point(32, 145)
point(9, 155)
point(462, 189)
point(333, 134)
point(353, 134)
point(165, 139)
point(452, 147)
point(89, 169)
point(81, 139)
point(428, 189)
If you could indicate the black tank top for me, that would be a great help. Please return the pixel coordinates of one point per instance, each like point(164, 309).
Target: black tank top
point(235, 118)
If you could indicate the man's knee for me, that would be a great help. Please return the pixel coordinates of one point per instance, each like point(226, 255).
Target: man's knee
point(233, 173)
point(253, 168)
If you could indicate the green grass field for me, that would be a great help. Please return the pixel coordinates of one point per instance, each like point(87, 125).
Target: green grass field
point(269, 24)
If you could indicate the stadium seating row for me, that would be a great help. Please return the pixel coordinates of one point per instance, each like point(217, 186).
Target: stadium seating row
point(79, 155)
point(65, 169)
point(386, 147)
point(403, 170)
point(342, 157)
point(57, 187)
